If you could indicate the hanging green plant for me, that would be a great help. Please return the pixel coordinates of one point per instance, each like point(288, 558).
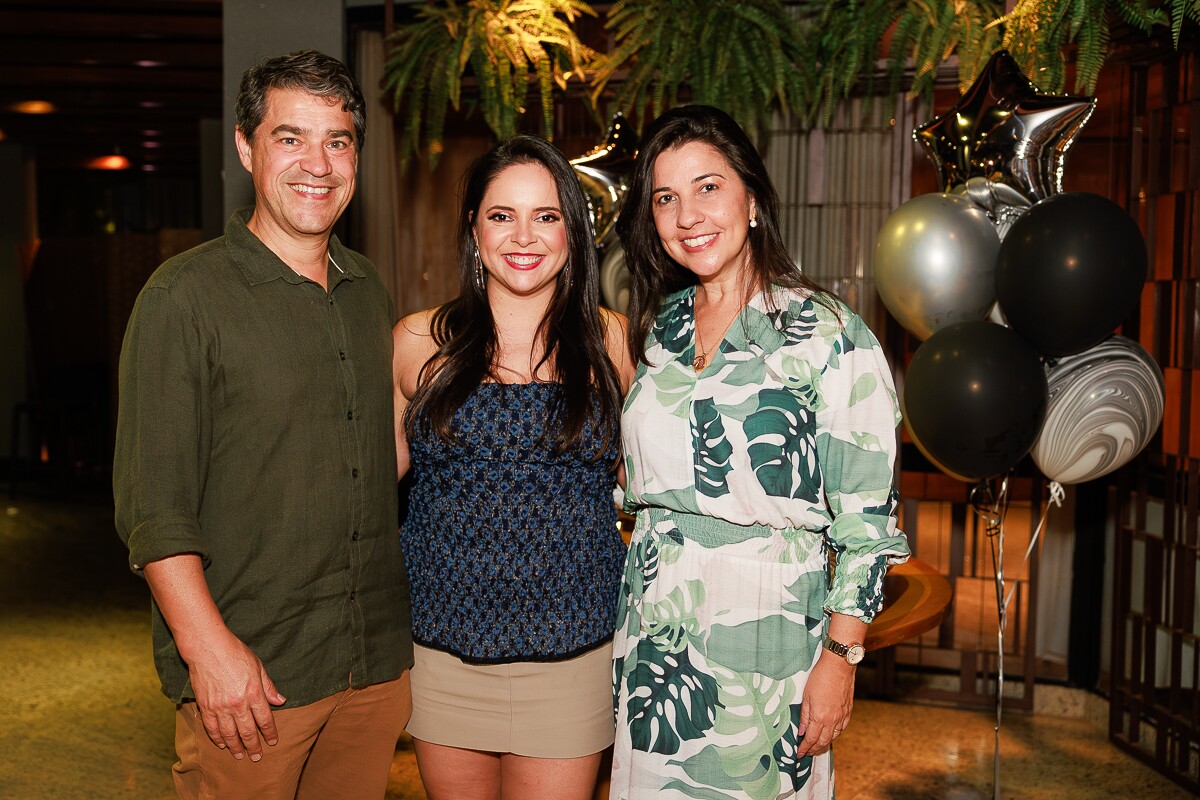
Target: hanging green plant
point(1179, 10)
point(506, 46)
point(744, 57)
point(847, 39)
point(1038, 32)
point(928, 34)
point(751, 58)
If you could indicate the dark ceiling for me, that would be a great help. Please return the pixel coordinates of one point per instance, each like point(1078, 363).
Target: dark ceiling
point(137, 75)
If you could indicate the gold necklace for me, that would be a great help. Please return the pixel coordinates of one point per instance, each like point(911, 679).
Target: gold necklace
point(701, 361)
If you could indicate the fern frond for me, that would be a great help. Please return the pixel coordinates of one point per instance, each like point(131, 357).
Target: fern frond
point(508, 45)
point(739, 56)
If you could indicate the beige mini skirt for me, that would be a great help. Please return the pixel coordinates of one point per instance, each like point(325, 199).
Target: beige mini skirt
point(558, 709)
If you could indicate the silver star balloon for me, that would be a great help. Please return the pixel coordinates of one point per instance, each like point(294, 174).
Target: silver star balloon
point(603, 172)
point(1004, 129)
point(1002, 203)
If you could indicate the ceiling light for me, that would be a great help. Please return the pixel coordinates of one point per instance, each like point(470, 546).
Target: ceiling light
point(33, 107)
point(114, 161)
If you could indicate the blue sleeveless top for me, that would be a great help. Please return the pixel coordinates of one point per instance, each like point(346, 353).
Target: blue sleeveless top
point(512, 551)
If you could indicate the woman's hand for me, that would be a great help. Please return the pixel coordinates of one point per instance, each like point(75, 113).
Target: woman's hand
point(829, 692)
point(826, 703)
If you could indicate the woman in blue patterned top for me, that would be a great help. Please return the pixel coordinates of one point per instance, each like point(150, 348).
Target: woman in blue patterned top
point(760, 441)
point(507, 407)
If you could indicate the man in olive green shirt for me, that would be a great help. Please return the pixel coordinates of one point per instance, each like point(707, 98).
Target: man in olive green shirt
point(255, 470)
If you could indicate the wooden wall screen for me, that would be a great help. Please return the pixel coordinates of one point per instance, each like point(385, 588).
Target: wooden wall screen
point(1154, 669)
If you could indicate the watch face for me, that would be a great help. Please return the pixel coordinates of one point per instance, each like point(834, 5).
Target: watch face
point(855, 653)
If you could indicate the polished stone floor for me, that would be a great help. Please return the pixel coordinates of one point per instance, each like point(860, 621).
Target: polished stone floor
point(81, 715)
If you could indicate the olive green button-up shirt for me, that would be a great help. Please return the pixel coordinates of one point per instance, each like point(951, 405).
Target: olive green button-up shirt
point(255, 429)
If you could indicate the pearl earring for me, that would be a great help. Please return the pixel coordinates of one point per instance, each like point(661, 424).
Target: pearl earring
point(753, 222)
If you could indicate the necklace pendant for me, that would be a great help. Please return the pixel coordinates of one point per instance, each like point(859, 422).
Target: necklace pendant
point(699, 361)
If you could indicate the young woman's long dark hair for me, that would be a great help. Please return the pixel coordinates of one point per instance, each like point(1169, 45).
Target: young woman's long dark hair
point(654, 273)
point(572, 330)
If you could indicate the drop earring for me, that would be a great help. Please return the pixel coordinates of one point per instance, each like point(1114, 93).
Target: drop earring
point(753, 222)
point(480, 275)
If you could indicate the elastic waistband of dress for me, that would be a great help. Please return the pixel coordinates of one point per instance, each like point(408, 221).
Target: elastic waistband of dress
point(709, 530)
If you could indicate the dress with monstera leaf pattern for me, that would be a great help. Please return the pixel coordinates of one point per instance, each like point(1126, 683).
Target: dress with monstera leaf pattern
point(743, 478)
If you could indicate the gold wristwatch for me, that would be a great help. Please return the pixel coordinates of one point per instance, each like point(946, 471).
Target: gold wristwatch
point(853, 653)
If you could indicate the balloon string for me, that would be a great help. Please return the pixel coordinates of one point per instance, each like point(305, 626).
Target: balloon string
point(1056, 497)
point(994, 521)
point(1000, 628)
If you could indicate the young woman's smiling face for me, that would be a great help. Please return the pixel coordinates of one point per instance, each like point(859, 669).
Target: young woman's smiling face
point(702, 211)
point(520, 232)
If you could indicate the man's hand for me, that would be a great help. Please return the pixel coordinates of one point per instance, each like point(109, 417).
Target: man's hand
point(233, 691)
point(234, 695)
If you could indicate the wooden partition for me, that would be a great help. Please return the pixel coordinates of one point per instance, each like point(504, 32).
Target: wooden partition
point(1154, 664)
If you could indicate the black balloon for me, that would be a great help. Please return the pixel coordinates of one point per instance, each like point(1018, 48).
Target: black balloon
point(1069, 271)
point(974, 399)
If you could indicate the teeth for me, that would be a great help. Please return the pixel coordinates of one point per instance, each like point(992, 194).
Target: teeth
point(311, 189)
point(524, 261)
point(700, 240)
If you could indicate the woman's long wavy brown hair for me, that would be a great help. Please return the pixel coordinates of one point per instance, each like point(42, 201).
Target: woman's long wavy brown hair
point(572, 329)
point(654, 273)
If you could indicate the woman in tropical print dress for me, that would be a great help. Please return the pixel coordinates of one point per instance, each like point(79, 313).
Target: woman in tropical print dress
point(759, 435)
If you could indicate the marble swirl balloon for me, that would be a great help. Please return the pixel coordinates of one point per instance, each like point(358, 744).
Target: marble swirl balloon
point(1105, 405)
point(615, 279)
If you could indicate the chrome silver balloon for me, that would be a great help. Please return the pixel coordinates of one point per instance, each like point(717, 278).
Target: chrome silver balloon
point(934, 263)
point(603, 172)
point(1004, 205)
point(1105, 405)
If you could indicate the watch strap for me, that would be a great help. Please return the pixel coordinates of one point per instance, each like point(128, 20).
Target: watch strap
point(843, 650)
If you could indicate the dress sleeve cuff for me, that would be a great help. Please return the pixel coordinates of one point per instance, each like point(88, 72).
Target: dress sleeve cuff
point(866, 546)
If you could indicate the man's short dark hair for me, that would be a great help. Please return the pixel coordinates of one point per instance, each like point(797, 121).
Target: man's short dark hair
point(308, 70)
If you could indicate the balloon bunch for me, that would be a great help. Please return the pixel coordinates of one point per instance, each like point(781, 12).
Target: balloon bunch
point(1065, 268)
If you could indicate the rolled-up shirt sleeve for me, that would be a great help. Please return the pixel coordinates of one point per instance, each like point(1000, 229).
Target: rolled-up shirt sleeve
point(856, 447)
point(164, 431)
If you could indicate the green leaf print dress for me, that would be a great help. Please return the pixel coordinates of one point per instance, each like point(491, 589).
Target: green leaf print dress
point(743, 477)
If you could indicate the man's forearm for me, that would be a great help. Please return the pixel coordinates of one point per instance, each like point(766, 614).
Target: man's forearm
point(183, 597)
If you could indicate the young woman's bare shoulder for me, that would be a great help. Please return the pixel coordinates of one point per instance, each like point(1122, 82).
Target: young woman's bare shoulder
point(616, 327)
point(414, 326)
point(413, 344)
point(615, 323)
